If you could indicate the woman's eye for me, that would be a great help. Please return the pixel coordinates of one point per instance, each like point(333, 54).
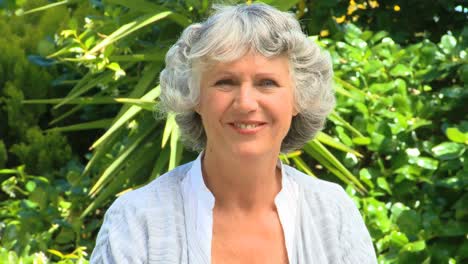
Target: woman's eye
point(224, 82)
point(268, 83)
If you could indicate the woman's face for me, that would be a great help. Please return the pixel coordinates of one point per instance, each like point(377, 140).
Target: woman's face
point(247, 105)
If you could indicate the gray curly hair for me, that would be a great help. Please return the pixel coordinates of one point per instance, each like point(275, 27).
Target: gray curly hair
point(229, 34)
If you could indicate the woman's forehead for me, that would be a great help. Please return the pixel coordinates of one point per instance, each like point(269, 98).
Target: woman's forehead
point(251, 57)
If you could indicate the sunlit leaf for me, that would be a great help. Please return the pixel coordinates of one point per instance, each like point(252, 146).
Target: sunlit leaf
point(415, 246)
point(151, 95)
point(126, 29)
point(45, 7)
point(448, 150)
point(400, 70)
point(302, 166)
point(97, 124)
point(455, 135)
point(327, 140)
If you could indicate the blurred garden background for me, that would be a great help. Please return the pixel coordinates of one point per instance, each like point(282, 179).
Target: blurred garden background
point(79, 89)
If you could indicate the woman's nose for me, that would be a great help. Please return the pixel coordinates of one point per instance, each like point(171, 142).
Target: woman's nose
point(245, 99)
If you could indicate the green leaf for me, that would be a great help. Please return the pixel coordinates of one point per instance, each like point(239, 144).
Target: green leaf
point(149, 7)
point(424, 162)
point(302, 166)
point(126, 29)
point(119, 162)
point(336, 118)
point(323, 155)
point(8, 171)
point(283, 5)
point(148, 105)
point(454, 228)
point(415, 246)
point(451, 182)
point(358, 43)
point(398, 238)
point(56, 253)
point(139, 5)
point(352, 88)
point(366, 177)
point(396, 209)
point(118, 72)
point(66, 114)
point(45, 7)
point(170, 124)
point(361, 140)
point(101, 152)
point(79, 101)
point(409, 222)
point(382, 183)
point(149, 56)
point(97, 124)
point(352, 32)
point(343, 136)
point(151, 95)
point(456, 135)
point(400, 70)
point(327, 140)
point(174, 144)
point(142, 86)
point(140, 160)
point(31, 186)
point(163, 159)
point(85, 84)
point(378, 36)
point(448, 150)
point(448, 43)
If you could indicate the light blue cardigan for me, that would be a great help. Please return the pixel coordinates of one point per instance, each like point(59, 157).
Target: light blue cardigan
point(147, 225)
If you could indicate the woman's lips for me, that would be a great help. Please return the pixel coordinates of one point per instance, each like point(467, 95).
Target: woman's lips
point(247, 127)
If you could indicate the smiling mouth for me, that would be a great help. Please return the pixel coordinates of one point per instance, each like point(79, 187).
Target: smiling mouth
point(246, 126)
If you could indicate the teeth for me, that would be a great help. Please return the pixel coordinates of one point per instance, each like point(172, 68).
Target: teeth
point(245, 126)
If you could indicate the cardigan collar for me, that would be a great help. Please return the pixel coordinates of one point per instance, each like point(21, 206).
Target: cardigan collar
point(199, 203)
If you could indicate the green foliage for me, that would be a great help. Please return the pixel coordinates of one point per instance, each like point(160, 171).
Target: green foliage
point(19, 78)
point(40, 199)
point(3, 154)
point(405, 21)
point(42, 152)
point(42, 213)
point(406, 101)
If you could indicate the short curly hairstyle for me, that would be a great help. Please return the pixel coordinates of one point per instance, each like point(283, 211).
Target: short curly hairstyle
point(227, 35)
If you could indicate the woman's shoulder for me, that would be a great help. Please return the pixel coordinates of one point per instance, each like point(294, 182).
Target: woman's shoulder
point(143, 221)
point(316, 186)
point(321, 194)
point(340, 225)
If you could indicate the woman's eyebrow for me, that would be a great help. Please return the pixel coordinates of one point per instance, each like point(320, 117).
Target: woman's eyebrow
point(223, 72)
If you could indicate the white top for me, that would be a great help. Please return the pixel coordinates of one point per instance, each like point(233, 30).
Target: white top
point(199, 203)
point(150, 225)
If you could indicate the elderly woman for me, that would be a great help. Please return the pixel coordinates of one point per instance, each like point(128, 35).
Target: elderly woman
point(245, 85)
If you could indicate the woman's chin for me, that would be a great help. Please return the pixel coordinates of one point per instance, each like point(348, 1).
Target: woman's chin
point(251, 150)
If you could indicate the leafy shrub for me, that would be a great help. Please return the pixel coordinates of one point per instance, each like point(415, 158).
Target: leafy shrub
point(39, 208)
point(407, 105)
point(41, 213)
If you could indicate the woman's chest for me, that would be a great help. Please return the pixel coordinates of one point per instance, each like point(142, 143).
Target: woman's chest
point(256, 241)
point(248, 250)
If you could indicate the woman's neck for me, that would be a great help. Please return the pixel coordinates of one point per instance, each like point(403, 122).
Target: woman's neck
point(242, 184)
